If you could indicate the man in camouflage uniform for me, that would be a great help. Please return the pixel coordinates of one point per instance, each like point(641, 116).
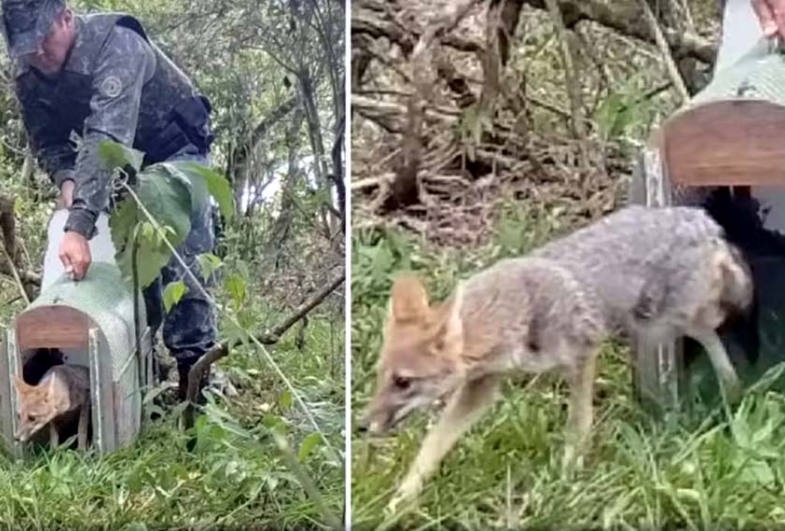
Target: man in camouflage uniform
point(101, 78)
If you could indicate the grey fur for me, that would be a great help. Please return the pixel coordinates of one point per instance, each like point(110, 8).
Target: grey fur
point(649, 267)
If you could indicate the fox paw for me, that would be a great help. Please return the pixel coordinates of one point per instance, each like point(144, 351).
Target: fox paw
point(733, 390)
point(394, 505)
point(405, 494)
point(573, 460)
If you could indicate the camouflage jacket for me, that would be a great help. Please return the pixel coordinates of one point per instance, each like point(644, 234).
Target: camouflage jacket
point(115, 85)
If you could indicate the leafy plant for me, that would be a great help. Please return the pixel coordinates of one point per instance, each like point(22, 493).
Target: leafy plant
point(155, 214)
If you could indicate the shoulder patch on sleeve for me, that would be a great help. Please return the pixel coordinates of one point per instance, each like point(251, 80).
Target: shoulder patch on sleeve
point(111, 87)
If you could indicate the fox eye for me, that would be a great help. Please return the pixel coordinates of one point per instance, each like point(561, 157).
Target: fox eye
point(401, 382)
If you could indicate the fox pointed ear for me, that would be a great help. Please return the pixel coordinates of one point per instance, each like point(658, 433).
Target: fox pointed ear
point(51, 389)
point(449, 331)
point(20, 384)
point(409, 301)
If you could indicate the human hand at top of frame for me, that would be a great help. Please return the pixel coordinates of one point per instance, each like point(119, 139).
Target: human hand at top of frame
point(771, 14)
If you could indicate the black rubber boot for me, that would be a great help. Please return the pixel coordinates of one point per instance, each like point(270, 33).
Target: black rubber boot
point(182, 388)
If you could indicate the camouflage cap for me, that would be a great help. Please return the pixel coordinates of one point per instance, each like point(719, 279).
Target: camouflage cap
point(26, 23)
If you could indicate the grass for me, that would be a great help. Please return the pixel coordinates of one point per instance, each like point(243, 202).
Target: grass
point(711, 469)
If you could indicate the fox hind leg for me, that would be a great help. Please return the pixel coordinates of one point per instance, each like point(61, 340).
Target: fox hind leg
point(580, 415)
point(84, 418)
point(463, 410)
point(54, 437)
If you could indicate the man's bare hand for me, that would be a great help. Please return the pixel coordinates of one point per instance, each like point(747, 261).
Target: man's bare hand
point(75, 254)
point(66, 195)
point(772, 16)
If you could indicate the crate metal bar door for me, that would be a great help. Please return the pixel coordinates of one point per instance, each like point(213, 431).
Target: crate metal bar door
point(657, 368)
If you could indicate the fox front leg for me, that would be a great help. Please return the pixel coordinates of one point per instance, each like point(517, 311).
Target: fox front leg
point(84, 417)
point(463, 410)
point(580, 416)
point(720, 361)
point(54, 437)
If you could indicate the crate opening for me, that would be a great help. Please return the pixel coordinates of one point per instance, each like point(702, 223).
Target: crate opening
point(35, 362)
point(756, 341)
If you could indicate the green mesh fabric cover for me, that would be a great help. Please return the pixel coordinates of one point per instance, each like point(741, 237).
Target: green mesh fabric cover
point(757, 75)
point(107, 299)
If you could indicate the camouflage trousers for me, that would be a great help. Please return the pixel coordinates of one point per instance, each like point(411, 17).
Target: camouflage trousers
point(189, 328)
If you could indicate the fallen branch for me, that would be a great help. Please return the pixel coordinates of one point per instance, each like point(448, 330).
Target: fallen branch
point(8, 226)
point(12, 266)
point(404, 188)
point(268, 338)
point(27, 277)
point(629, 22)
point(369, 24)
point(391, 116)
point(625, 21)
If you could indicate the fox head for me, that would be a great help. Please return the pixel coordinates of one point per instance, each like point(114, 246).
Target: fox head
point(420, 355)
point(36, 407)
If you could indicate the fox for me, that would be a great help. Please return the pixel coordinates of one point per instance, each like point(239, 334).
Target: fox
point(63, 391)
point(653, 273)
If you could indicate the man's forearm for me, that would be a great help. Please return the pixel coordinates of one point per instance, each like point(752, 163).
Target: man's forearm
point(91, 190)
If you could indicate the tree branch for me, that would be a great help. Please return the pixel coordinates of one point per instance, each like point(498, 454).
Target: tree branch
point(12, 266)
point(369, 24)
point(630, 23)
point(268, 338)
point(673, 70)
point(261, 130)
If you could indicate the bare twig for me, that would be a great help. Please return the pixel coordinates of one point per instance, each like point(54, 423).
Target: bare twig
point(689, 22)
point(670, 64)
point(365, 23)
point(10, 248)
point(221, 350)
point(616, 16)
point(573, 86)
point(404, 188)
point(17, 278)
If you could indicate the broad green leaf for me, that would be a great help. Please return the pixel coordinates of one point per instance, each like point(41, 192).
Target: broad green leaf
point(150, 259)
point(168, 200)
point(208, 264)
point(122, 223)
point(173, 292)
point(308, 445)
point(285, 401)
point(115, 155)
point(195, 183)
point(218, 185)
point(235, 285)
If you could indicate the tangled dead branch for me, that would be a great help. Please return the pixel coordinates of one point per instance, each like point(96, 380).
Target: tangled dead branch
point(447, 123)
point(11, 262)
